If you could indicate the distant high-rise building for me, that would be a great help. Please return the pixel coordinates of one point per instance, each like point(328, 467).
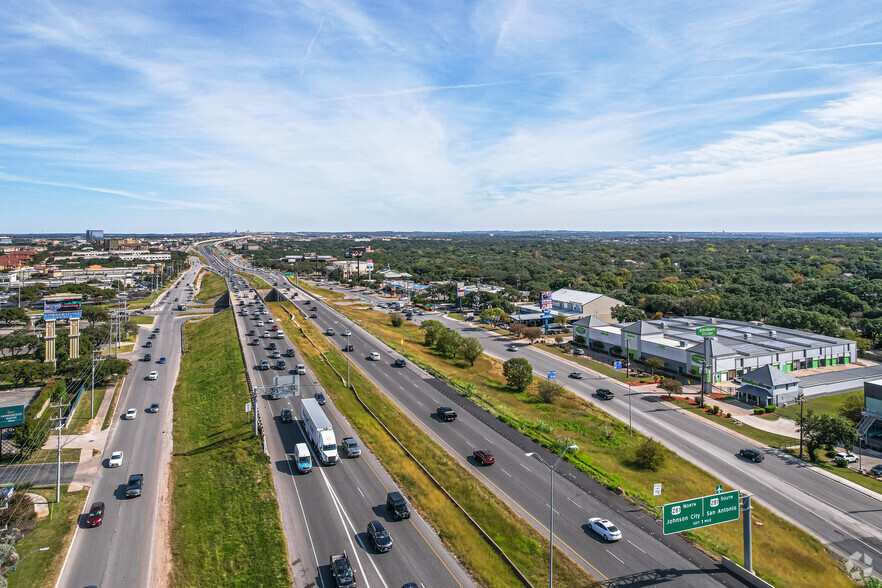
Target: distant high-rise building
point(94, 235)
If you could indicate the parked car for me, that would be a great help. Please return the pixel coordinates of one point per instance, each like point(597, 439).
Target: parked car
point(484, 456)
point(380, 537)
point(116, 459)
point(319, 397)
point(876, 470)
point(287, 415)
point(752, 454)
point(848, 457)
point(131, 414)
point(578, 351)
point(154, 408)
point(605, 393)
point(400, 362)
point(576, 375)
point(605, 529)
point(374, 356)
point(96, 515)
point(396, 504)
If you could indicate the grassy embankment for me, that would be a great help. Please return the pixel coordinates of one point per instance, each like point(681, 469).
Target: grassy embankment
point(139, 319)
point(820, 405)
point(211, 286)
point(527, 548)
point(42, 568)
point(758, 435)
point(225, 526)
point(784, 554)
point(108, 418)
point(254, 281)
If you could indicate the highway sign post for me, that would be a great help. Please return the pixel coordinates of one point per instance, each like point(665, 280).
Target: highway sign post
point(552, 374)
point(696, 513)
point(656, 491)
point(719, 489)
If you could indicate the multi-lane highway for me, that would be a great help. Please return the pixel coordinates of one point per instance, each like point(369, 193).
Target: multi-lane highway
point(327, 510)
point(120, 551)
point(644, 555)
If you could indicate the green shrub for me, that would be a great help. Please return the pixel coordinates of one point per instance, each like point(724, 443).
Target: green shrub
point(771, 408)
point(544, 427)
point(650, 455)
point(728, 415)
point(759, 411)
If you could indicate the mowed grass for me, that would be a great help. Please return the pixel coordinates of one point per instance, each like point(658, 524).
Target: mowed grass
point(527, 548)
point(225, 527)
point(783, 554)
point(42, 568)
point(255, 281)
point(316, 291)
point(820, 405)
point(139, 319)
point(601, 368)
point(758, 435)
point(211, 286)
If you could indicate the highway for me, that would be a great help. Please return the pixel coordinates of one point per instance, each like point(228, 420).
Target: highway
point(120, 551)
point(644, 556)
point(327, 510)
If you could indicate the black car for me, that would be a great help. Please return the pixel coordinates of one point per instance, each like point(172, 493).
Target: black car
point(753, 455)
point(446, 413)
point(380, 537)
point(605, 393)
point(133, 487)
point(287, 415)
point(400, 363)
point(396, 504)
point(319, 397)
point(147, 357)
point(876, 470)
point(576, 375)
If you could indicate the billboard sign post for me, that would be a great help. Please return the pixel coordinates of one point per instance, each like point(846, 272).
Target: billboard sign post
point(11, 416)
point(62, 307)
point(545, 300)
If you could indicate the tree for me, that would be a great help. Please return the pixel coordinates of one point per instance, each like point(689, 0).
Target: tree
point(18, 342)
point(560, 320)
point(625, 314)
point(654, 363)
point(95, 314)
point(852, 407)
point(25, 373)
point(549, 390)
point(650, 455)
point(31, 435)
point(432, 330)
point(532, 333)
point(492, 315)
point(449, 343)
point(471, 349)
point(396, 319)
point(670, 385)
point(518, 373)
point(826, 431)
point(517, 329)
point(13, 314)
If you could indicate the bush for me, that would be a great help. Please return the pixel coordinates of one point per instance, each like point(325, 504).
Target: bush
point(650, 455)
point(728, 415)
point(549, 390)
point(544, 427)
point(596, 345)
point(771, 408)
point(715, 410)
point(759, 411)
point(841, 463)
point(396, 319)
point(670, 385)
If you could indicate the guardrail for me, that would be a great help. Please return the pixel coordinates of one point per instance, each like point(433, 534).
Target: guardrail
point(413, 458)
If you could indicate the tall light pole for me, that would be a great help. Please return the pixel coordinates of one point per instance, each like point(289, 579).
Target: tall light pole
point(18, 563)
point(348, 353)
point(551, 469)
point(801, 399)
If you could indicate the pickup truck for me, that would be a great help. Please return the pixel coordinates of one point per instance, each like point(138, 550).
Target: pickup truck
point(350, 446)
point(133, 487)
point(446, 413)
point(341, 569)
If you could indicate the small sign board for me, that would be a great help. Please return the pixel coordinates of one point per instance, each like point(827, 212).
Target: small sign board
point(656, 489)
point(552, 374)
point(617, 365)
point(695, 513)
point(706, 331)
point(719, 488)
point(12, 416)
point(247, 407)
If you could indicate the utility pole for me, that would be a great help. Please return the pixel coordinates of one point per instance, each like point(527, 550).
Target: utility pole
point(801, 399)
point(628, 375)
point(93, 385)
point(703, 380)
point(58, 465)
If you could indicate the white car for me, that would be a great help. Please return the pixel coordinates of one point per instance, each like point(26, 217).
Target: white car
point(153, 375)
point(374, 356)
point(266, 334)
point(605, 529)
point(270, 320)
point(259, 323)
point(115, 460)
point(301, 369)
point(131, 414)
point(848, 457)
point(347, 334)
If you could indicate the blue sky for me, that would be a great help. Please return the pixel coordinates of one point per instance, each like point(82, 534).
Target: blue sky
point(151, 116)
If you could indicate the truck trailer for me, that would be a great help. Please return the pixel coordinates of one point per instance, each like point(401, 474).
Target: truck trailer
point(319, 430)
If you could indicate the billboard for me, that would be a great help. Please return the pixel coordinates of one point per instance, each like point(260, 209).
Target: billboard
point(62, 307)
point(545, 300)
point(354, 252)
point(369, 265)
point(460, 289)
point(12, 416)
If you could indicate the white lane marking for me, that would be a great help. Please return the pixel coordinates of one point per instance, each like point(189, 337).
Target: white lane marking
point(632, 543)
point(505, 472)
point(612, 554)
point(418, 402)
point(360, 492)
point(577, 504)
point(525, 467)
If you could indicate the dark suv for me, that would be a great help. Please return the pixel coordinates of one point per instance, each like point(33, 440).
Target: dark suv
point(752, 454)
point(379, 536)
point(396, 504)
point(605, 393)
point(133, 488)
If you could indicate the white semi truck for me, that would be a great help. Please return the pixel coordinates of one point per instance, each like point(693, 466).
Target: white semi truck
point(319, 430)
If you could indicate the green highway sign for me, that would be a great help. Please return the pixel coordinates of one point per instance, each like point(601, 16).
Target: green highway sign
point(719, 488)
point(706, 331)
point(289, 274)
point(687, 515)
point(11, 416)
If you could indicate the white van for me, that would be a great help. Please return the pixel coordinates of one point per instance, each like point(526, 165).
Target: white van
point(302, 458)
point(280, 334)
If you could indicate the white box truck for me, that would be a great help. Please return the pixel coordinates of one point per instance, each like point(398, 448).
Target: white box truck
point(319, 430)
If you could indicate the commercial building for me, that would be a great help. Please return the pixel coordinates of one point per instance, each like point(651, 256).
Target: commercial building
point(573, 304)
point(93, 235)
point(870, 426)
point(736, 348)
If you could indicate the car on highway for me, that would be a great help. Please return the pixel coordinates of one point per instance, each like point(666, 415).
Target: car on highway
point(400, 362)
point(255, 342)
point(313, 315)
point(148, 344)
point(341, 570)
point(307, 302)
point(848, 457)
point(445, 413)
point(753, 455)
point(153, 375)
point(289, 352)
point(152, 336)
point(276, 354)
point(251, 333)
point(380, 537)
point(349, 348)
point(134, 485)
point(116, 459)
point(131, 414)
point(346, 334)
point(275, 327)
point(319, 397)
point(605, 393)
point(605, 529)
point(147, 357)
point(272, 346)
point(300, 369)
point(576, 375)
point(329, 331)
point(154, 407)
point(484, 456)
point(374, 356)
point(396, 504)
point(512, 348)
point(266, 334)
point(314, 308)
point(350, 447)
point(161, 360)
point(259, 323)
point(156, 330)
point(264, 365)
point(287, 415)
point(96, 515)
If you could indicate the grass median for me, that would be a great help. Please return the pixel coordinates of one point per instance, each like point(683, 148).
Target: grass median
point(211, 286)
point(784, 554)
point(255, 282)
point(225, 527)
point(42, 568)
point(526, 547)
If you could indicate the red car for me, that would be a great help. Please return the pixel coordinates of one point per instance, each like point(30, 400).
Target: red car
point(313, 308)
point(349, 348)
point(484, 456)
point(275, 327)
point(96, 515)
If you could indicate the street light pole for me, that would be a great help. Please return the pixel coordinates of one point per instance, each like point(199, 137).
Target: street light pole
point(551, 469)
point(348, 353)
point(18, 563)
point(801, 399)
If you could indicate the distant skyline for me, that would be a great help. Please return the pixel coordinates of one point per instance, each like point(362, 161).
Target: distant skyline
point(440, 116)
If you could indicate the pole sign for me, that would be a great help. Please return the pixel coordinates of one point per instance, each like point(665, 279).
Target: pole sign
point(460, 289)
point(545, 300)
point(656, 489)
point(706, 331)
point(617, 365)
point(552, 374)
point(695, 513)
point(11, 416)
point(63, 306)
point(288, 274)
